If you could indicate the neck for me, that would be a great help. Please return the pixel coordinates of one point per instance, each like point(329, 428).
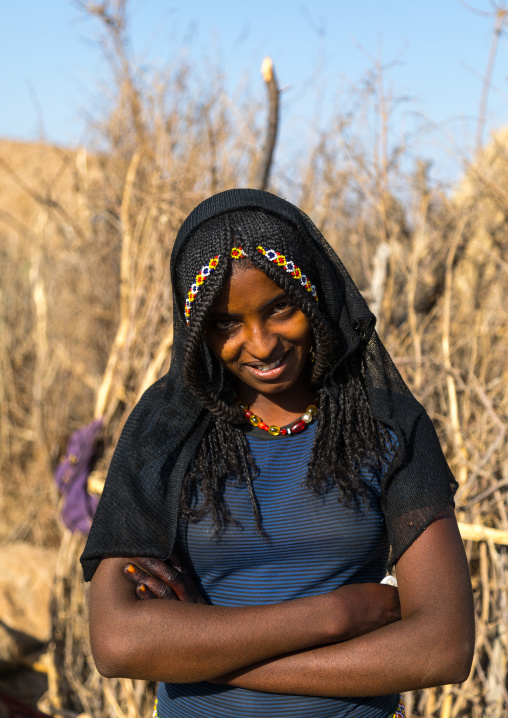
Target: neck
point(281, 408)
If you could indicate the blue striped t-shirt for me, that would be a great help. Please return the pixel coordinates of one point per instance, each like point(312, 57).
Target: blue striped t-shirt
point(315, 545)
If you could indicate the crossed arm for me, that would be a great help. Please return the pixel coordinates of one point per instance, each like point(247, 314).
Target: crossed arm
point(343, 643)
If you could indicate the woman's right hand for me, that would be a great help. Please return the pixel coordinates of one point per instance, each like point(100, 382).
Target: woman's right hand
point(154, 578)
point(364, 607)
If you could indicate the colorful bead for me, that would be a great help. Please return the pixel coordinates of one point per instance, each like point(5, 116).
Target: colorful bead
point(237, 253)
point(273, 256)
point(273, 429)
point(203, 273)
point(298, 426)
point(312, 409)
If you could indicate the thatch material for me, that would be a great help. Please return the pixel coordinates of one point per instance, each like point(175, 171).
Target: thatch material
point(75, 686)
point(85, 321)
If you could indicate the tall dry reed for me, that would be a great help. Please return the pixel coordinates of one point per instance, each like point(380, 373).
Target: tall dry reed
point(85, 316)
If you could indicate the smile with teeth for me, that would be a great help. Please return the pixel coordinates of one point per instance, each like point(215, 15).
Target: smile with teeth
point(267, 367)
point(261, 369)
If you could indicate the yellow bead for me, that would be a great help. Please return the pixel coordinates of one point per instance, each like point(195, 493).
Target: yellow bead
point(312, 410)
point(243, 406)
point(254, 420)
point(274, 430)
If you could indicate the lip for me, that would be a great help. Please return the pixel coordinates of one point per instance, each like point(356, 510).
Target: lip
point(270, 374)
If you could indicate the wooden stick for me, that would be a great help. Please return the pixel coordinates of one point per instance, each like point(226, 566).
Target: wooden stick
point(477, 532)
point(125, 280)
point(273, 123)
point(445, 344)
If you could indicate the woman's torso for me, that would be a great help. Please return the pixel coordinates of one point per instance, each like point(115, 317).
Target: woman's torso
point(315, 544)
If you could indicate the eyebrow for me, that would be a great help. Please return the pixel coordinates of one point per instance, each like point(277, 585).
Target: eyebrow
point(217, 315)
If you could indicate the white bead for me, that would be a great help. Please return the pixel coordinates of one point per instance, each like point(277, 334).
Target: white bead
point(307, 417)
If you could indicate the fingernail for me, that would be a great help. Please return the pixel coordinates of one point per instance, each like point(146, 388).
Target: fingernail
point(130, 568)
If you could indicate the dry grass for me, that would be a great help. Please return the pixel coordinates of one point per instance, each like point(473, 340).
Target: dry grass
point(85, 320)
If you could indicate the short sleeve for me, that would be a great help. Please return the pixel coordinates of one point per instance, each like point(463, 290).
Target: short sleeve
point(416, 491)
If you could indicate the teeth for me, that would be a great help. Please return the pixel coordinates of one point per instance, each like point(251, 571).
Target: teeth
point(267, 367)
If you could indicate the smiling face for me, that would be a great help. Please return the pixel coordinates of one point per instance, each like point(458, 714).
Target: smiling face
point(259, 336)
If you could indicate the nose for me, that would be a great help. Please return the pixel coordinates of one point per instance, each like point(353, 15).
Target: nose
point(259, 341)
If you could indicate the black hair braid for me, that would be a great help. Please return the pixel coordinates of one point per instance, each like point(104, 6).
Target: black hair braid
point(209, 472)
point(244, 459)
point(224, 451)
point(347, 436)
point(222, 454)
point(192, 371)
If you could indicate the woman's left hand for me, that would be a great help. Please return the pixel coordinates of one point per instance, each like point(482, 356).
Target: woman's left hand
point(156, 579)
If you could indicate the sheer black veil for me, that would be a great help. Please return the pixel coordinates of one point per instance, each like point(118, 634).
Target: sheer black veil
point(138, 511)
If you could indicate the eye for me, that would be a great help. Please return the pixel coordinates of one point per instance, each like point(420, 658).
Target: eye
point(281, 306)
point(224, 325)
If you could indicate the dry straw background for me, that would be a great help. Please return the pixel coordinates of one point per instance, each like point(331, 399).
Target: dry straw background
point(85, 317)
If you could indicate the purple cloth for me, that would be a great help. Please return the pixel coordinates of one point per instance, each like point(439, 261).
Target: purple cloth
point(71, 477)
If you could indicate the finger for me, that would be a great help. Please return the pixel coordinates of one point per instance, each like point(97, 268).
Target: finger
point(183, 586)
point(177, 563)
point(143, 592)
point(157, 568)
point(157, 587)
point(133, 573)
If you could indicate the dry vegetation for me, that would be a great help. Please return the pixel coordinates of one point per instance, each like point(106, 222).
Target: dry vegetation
point(85, 319)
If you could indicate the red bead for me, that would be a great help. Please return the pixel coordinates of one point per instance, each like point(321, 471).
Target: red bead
point(283, 432)
point(248, 414)
point(262, 425)
point(298, 426)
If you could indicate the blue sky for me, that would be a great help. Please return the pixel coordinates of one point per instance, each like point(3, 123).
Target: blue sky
point(51, 67)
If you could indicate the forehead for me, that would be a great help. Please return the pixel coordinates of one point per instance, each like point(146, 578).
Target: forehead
point(247, 289)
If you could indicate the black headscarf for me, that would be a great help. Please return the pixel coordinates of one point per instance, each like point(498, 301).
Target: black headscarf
point(138, 511)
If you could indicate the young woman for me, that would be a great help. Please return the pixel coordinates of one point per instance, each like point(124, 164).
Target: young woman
point(273, 468)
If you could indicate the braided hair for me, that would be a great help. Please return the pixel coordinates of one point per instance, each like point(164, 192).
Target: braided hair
point(347, 435)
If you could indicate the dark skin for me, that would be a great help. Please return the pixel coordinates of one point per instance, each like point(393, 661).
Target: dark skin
point(348, 642)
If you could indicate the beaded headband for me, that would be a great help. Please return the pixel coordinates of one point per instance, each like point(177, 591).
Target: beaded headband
point(237, 253)
point(273, 256)
point(203, 273)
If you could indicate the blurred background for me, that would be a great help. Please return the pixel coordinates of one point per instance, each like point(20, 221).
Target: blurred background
point(386, 122)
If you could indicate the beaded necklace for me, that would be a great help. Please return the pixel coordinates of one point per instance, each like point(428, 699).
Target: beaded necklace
point(295, 428)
